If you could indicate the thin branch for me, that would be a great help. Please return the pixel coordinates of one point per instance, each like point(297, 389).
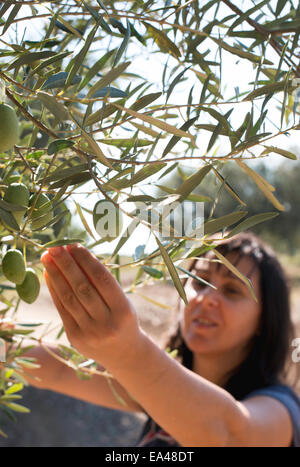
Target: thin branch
point(263, 32)
point(17, 148)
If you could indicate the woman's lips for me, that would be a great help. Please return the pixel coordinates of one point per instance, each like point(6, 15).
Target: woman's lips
point(202, 323)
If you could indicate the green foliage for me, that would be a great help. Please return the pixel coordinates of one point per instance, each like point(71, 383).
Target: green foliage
point(280, 229)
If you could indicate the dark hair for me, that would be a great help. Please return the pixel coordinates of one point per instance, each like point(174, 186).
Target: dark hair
point(267, 361)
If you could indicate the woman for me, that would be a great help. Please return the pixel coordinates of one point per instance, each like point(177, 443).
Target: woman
point(268, 354)
point(227, 388)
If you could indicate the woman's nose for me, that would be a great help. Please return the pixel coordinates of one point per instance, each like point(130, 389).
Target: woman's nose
point(209, 297)
point(206, 299)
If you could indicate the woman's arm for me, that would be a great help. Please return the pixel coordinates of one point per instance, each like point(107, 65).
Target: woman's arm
point(100, 322)
point(56, 376)
point(196, 412)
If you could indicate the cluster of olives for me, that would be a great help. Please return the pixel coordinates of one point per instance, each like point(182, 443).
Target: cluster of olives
point(18, 194)
point(26, 279)
point(13, 264)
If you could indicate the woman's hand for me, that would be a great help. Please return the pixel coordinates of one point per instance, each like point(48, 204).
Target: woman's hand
point(6, 324)
point(99, 320)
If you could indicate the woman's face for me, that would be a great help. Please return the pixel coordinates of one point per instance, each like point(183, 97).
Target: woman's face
point(225, 319)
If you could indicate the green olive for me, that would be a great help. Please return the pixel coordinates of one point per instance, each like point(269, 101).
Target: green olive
point(107, 220)
point(17, 193)
point(29, 290)
point(13, 266)
point(42, 213)
point(9, 127)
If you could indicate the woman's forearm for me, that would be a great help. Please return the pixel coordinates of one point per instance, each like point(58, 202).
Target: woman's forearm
point(48, 369)
point(190, 408)
point(56, 376)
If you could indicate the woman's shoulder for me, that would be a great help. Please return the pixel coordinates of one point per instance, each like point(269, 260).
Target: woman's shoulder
point(289, 398)
point(279, 390)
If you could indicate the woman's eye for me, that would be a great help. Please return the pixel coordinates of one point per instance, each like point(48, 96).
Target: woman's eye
point(229, 290)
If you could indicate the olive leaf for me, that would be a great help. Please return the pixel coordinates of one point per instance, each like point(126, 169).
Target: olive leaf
point(93, 145)
point(154, 302)
point(15, 407)
point(83, 220)
point(144, 101)
point(94, 70)
point(241, 53)
point(58, 145)
point(236, 272)
point(30, 57)
point(108, 91)
point(192, 182)
point(268, 89)
point(261, 185)
point(14, 12)
point(228, 187)
point(59, 80)
point(172, 270)
point(251, 222)
point(49, 61)
point(174, 140)
point(156, 122)
point(215, 225)
point(55, 107)
point(282, 152)
point(111, 76)
point(153, 272)
point(124, 44)
point(162, 40)
point(62, 242)
point(191, 197)
point(8, 219)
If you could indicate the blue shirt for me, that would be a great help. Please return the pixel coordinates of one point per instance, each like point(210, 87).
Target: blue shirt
point(154, 436)
point(289, 399)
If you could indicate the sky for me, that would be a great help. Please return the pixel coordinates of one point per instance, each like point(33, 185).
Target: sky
point(235, 73)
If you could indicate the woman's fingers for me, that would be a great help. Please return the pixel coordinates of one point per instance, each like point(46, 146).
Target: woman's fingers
point(107, 286)
point(6, 323)
point(63, 292)
point(79, 283)
point(100, 323)
point(69, 322)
